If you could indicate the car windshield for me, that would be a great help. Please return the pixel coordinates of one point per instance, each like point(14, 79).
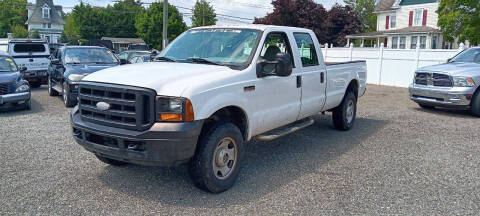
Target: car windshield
point(7, 65)
point(470, 55)
point(89, 55)
point(230, 47)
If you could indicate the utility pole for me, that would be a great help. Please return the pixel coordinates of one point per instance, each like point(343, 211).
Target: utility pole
point(165, 23)
point(203, 13)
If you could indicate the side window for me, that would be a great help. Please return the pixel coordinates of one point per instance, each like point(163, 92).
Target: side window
point(276, 42)
point(306, 48)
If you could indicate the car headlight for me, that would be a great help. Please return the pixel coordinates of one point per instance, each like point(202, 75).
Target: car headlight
point(75, 77)
point(22, 88)
point(463, 82)
point(174, 109)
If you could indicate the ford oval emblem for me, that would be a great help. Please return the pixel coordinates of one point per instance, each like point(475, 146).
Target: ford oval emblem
point(103, 106)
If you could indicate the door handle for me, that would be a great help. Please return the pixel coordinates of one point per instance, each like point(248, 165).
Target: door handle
point(299, 81)
point(322, 77)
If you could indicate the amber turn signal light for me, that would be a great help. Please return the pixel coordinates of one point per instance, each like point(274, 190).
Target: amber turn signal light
point(171, 117)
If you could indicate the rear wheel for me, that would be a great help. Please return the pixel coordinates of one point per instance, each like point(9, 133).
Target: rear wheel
point(110, 161)
point(475, 104)
point(216, 164)
point(344, 115)
point(51, 91)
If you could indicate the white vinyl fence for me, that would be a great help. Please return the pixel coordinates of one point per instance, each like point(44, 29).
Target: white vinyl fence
point(392, 67)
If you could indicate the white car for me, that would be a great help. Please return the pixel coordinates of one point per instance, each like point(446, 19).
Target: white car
point(34, 55)
point(213, 89)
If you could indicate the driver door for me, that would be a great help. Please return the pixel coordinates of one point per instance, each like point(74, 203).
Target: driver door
point(278, 99)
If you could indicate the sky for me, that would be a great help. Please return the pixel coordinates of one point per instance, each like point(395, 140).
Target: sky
point(247, 9)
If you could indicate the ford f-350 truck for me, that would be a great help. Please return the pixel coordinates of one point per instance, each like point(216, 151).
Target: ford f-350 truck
point(210, 91)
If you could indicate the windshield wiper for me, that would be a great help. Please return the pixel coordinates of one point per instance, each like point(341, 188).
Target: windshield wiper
point(73, 63)
point(202, 60)
point(165, 58)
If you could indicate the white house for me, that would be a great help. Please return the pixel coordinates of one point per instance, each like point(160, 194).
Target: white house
point(46, 18)
point(402, 24)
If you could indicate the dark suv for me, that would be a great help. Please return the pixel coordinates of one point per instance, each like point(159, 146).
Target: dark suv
point(14, 90)
point(71, 63)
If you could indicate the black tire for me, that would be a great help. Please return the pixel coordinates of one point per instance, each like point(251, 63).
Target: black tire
point(211, 154)
point(69, 102)
point(424, 106)
point(110, 161)
point(475, 104)
point(343, 117)
point(51, 91)
point(28, 104)
point(36, 84)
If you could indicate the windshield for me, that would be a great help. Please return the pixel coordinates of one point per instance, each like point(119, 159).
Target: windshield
point(470, 55)
point(230, 47)
point(89, 55)
point(7, 65)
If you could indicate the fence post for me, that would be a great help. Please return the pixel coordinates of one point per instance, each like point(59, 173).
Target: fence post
point(417, 53)
point(326, 48)
point(461, 47)
point(351, 51)
point(381, 64)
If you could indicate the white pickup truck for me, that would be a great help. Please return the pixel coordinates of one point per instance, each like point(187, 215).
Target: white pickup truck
point(210, 91)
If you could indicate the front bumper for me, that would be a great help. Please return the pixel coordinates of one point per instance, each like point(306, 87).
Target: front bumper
point(36, 76)
point(15, 97)
point(164, 144)
point(441, 96)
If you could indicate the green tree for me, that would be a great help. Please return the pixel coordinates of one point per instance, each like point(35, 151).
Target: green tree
point(35, 34)
point(119, 20)
point(203, 14)
point(460, 18)
point(19, 31)
point(149, 24)
point(364, 10)
point(89, 21)
point(13, 13)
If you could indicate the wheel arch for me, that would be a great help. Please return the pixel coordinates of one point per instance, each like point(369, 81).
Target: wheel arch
point(230, 113)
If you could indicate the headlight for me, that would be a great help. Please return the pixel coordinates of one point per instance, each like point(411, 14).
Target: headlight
point(75, 77)
point(22, 88)
point(174, 109)
point(463, 82)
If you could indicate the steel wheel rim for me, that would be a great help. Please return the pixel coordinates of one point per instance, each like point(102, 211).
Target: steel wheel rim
point(224, 158)
point(64, 94)
point(49, 85)
point(350, 111)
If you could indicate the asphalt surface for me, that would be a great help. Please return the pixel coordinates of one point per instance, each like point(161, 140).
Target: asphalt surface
point(399, 159)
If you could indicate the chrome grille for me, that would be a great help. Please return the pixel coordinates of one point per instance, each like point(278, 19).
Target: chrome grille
point(433, 79)
point(3, 88)
point(128, 107)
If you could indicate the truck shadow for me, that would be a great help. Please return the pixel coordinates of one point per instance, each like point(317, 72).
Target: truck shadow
point(268, 166)
point(451, 112)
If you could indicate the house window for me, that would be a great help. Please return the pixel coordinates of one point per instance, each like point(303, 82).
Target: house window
point(44, 25)
point(394, 42)
point(418, 17)
point(413, 42)
point(403, 41)
point(49, 25)
point(423, 42)
point(434, 42)
point(393, 21)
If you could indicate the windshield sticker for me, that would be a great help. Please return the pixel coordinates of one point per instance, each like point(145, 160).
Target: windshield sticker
point(7, 59)
point(109, 52)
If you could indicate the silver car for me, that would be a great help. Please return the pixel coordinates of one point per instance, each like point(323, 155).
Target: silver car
point(454, 84)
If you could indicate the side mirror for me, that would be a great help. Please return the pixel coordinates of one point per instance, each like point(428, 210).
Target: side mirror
point(22, 69)
point(281, 66)
point(123, 61)
point(55, 61)
point(448, 60)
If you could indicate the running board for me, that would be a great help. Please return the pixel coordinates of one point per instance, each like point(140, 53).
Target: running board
point(295, 126)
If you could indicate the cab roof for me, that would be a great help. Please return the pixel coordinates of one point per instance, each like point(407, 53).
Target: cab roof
point(254, 26)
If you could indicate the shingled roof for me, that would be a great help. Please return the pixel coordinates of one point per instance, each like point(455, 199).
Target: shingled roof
point(37, 17)
point(384, 5)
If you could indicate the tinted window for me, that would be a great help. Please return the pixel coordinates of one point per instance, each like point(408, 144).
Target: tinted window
point(89, 55)
point(26, 48)
point(7, 64)
point(305, 45)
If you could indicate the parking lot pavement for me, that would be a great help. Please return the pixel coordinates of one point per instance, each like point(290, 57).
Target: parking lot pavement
point(399, 159)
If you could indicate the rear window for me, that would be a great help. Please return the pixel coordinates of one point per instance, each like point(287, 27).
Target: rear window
point(26, 48)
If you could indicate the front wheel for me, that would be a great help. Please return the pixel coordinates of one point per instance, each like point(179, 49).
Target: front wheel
point(475, 105)
point(216, 163)
point(344, 115)
point(51, 91)
point(66, 96)
point(28, 105)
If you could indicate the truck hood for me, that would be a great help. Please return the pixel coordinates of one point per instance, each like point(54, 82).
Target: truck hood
point(454, 68)
point(166, 78)
point(9, 77)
